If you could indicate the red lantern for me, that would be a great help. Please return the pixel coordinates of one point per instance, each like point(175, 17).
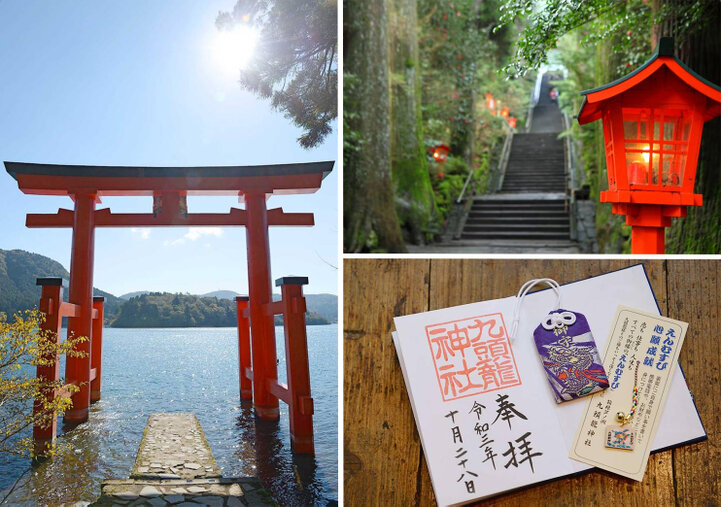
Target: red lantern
point(490, 102)
point(440, 153)
point(652, 123)
point(512, 122)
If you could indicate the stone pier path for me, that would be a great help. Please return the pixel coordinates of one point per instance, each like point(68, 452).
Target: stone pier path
point(174, 447)
point(175, 466)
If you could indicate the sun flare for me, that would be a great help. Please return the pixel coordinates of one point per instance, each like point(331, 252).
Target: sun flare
point(233, 49)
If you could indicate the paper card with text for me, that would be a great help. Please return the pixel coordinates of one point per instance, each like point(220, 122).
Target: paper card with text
point(486, 415)
point(641, 352)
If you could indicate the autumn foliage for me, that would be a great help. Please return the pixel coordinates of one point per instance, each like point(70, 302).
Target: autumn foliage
point(23, 347)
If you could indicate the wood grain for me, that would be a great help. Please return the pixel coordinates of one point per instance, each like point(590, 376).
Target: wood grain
point(696, 286)
point(383, 458)
point(381, 445)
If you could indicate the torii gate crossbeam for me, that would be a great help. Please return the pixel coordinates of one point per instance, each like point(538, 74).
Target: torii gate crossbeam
point(169, 187)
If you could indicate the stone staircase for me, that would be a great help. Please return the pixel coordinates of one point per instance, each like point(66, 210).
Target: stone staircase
point(528, 217)
point(535, 164)
point(530, 212)
point(531, 206)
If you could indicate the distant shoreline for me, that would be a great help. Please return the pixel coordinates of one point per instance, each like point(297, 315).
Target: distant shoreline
point(196, 327)
point(206, 327)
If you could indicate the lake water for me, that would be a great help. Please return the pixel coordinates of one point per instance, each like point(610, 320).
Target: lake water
point(191, 370)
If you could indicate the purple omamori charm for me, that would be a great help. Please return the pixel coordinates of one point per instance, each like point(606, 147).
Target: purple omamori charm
point(569, 355)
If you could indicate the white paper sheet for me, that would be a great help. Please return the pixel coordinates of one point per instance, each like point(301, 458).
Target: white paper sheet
point(552, 427)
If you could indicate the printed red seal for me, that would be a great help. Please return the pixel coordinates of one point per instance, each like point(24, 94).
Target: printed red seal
point(472, 356)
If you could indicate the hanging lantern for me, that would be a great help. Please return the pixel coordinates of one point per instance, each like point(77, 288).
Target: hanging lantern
point(440, 153)
point(491, 103)
point(652, 124)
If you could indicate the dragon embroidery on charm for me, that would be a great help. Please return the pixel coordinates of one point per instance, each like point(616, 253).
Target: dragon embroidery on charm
point(573, 367)
point(569, 356)
point(565, 347)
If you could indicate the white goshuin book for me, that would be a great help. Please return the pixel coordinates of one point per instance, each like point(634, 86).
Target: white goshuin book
point(486, 415)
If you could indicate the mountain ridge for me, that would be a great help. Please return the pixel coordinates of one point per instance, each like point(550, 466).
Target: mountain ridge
point(19, 270)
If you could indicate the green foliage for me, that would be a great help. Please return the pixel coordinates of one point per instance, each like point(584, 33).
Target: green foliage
point(413, 194)
point(460, 52)
point(163, 309)
point(19, 269)
point(626, 22)
point(585, 71)
point(24, 347)
point(296, 62)
point(18, 272)
point(453, 37)
point(447, 185)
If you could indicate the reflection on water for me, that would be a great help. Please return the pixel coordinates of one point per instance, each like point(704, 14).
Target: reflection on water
point(190, 370)
point(287, 476)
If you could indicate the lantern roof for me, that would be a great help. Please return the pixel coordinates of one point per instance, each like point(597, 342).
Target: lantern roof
point(663, 57)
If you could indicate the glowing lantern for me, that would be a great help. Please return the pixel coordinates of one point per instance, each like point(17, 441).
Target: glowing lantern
point(491, 102)
point(440, 153)
point(512, 122)
point(652, 123)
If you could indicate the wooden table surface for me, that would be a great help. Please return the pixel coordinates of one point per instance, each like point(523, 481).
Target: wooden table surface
point(383, 460)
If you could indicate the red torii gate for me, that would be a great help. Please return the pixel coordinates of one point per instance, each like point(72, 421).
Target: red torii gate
point(169, 187)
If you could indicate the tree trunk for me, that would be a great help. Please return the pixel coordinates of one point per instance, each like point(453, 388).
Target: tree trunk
point(369, 215)
point(699, 232)
point(411, 181)
point(609, 227)
point(463, 127)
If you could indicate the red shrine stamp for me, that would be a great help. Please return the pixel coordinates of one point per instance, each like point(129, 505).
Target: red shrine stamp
point(472, 356)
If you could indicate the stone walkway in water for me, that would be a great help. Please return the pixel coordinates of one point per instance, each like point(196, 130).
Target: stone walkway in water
point(175, 466)
point(174, 447)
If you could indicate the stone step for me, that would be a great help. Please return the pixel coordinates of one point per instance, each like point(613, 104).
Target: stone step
point(524, 182)
point(525, 235)
point(535, 160)
point(513, 182)
point(529, 209)
point(175, 464)
point(517, 218)
point(511, 199)
point(535, 171)
point(513, 220)
point(511, 213)
point(523, 227)
point(534, 188)
point(535, 178)
point(221, 492)
point(531, 155)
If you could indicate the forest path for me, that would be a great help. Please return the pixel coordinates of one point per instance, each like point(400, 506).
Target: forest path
point(530, 213)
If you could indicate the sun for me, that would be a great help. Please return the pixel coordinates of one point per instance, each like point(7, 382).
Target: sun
point(233, 49)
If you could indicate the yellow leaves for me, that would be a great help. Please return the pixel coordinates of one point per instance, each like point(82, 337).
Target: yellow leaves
point(24, 346)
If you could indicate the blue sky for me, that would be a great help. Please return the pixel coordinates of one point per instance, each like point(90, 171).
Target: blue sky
point(138, 83)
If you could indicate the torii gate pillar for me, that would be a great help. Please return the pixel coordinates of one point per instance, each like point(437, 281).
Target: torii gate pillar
point(169, 187)
point(77, 369)
point(262, 327)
